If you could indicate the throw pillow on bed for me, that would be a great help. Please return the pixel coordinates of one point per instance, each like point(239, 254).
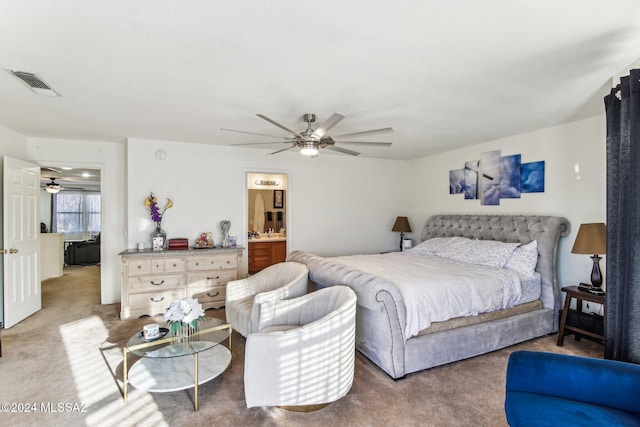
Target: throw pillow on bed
point(431, 246)
point(524, 259)
point(483, 252)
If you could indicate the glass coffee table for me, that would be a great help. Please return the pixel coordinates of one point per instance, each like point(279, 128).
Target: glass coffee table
point(165, 364)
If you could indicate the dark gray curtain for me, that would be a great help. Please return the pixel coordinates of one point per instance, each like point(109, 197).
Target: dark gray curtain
point(622, 335)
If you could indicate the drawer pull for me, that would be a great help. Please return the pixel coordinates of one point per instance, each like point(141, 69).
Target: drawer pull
point(216, 294)
point(213, 278)
point(197, 263)
point(156, 284)
point(156, 300)
point(139, 267)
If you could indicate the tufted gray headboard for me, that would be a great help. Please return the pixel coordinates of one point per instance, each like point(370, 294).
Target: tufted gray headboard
point(547, 230)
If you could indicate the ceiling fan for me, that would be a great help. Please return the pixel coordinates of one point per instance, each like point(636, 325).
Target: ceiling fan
point(311, 141)
point(53, 187)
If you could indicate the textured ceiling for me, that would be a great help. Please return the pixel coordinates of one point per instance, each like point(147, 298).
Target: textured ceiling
point(443, 74)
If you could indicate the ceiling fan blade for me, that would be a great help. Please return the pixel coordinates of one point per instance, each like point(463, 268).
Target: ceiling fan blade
point(380, 144)
point(284, 149)
point(250, 133)
point(328, 124)
point(260, 143)
point(50, 169)
point(366, 132)
point(273, 122)
point(342, 150)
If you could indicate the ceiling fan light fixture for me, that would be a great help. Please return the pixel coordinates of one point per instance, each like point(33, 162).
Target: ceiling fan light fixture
point(309, 150)
point(52, 188)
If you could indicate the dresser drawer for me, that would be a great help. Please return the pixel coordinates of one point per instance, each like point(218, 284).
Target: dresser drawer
point(153, 303)
point(207, 294)
point(213, 262)
point(211, 278)
point(139, 266)
point(156, 283)
point(168, 265)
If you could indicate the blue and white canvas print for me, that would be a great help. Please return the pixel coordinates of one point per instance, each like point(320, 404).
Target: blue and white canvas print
point(510, 176)
point(490, 163)
point(532, 180)
point(456, 181)
point(471, 171)
point(494, 177)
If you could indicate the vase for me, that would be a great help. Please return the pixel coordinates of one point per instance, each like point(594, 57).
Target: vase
point(182, 331)
point(159, 238)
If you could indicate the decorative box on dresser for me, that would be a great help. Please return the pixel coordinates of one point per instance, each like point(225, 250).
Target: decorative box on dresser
point(152, 279)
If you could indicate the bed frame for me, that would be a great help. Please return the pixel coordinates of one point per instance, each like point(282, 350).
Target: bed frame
point(381, 313)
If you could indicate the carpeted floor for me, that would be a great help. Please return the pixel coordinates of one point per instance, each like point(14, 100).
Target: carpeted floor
point(63, 367)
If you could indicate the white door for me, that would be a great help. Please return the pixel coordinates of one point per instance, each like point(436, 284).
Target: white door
point(21, 240)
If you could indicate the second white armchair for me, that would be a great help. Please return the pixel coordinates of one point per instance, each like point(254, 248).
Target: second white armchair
point(244, 297)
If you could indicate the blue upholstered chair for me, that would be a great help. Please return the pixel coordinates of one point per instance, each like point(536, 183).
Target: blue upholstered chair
point(549, 389)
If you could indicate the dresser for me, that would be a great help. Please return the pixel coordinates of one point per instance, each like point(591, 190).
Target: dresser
point(151, 280)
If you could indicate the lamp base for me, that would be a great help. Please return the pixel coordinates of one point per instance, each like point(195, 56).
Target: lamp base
point(401, 239)
point(596, 275)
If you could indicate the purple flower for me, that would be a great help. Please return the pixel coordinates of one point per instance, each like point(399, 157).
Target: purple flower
point(151, 202)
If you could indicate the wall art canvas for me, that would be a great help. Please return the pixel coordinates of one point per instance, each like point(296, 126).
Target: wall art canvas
point(532, 177)
point(510, 176)
point(494, 177)
point(490, 181)
point(471, 173)
point(456, 181)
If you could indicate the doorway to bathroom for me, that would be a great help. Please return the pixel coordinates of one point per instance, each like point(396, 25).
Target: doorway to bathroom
point(266, 219)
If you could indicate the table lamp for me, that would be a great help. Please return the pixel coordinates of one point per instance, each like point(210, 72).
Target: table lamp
point(592, 239)
point(401, 225)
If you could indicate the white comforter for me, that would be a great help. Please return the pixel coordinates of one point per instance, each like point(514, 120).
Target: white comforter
point(435, 289)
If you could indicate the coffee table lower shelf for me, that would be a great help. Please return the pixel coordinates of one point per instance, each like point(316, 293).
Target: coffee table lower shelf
point(178, 373)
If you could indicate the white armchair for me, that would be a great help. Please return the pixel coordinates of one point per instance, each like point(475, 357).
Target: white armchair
point(278, 281)
point(304, 351)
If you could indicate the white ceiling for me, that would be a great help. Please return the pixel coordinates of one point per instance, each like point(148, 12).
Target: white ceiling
point(443, 74)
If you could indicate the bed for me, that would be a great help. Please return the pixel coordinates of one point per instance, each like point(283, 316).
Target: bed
point(385, 332)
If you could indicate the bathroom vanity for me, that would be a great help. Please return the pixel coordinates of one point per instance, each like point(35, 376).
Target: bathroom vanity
point(265, 251)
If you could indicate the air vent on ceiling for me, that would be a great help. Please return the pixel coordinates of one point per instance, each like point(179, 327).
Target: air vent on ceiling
point(34, 82)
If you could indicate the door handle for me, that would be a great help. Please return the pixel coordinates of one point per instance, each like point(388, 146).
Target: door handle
point(3, 251)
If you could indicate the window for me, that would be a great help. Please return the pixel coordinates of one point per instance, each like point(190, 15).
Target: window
point(76, 214)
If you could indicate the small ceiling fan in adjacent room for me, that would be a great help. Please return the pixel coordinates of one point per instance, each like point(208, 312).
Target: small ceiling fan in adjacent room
point(310, 141)
point(53, 187)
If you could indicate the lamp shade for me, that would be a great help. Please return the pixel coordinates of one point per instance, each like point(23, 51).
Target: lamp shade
point(591, 239)
point(401, 225)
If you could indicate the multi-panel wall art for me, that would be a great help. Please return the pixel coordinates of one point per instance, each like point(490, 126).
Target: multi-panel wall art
point(494, 177)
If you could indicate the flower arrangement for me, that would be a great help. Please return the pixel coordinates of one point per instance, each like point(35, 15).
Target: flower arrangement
point(184, 312)
point(151, 202)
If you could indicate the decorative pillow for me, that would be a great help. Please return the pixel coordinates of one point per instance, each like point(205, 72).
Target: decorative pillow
point(524, 259)
point(482, 252)
point(431, 246)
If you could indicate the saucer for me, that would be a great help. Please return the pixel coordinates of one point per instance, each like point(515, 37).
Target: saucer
point(163, 333)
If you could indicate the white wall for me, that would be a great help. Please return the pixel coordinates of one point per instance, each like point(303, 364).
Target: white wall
point(109, 157)
point(335, 204)
point(579, 197)
point(12, 144)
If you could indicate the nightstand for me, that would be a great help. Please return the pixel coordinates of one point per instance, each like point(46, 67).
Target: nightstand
point(577, 322)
